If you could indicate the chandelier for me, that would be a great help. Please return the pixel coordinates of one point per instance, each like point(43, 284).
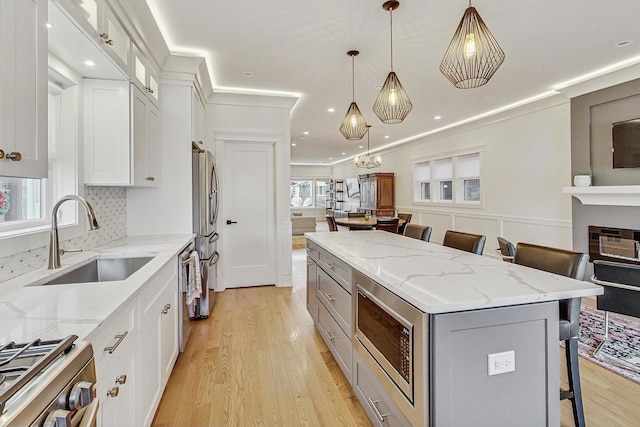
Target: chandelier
point(392, 104)
point(354, 125)
point(473, 55)
point(366, 160)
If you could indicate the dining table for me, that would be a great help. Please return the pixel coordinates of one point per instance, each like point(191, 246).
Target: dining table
point(362, 223)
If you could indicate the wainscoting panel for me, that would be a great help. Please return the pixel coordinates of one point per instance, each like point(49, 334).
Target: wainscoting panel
point(516, 229)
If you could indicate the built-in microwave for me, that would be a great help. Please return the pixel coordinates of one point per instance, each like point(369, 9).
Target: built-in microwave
point(387, 326)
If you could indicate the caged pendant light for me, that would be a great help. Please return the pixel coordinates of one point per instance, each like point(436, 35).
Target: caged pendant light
point(473, 55)
point(392, 105)
point(365, 160)
point(354, 126)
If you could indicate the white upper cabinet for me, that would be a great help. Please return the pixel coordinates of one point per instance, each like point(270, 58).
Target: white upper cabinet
point(98, 20)
point(143, 76)
point(121, 135)
point(23, 88)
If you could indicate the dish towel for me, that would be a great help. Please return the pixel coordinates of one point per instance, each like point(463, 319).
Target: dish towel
point(194, 288)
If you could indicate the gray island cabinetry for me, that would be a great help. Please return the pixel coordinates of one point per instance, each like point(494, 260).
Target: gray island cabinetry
point(431, 336)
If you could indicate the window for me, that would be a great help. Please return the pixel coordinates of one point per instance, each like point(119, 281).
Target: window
point(309, 192)
point(26, 203)
point(455, 179)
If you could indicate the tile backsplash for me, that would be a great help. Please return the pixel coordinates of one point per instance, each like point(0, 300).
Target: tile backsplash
point(110, 206)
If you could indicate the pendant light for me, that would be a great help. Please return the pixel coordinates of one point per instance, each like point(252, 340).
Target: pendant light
point(354, 126)
point(366, 161)
point(392, 104)
point(473, 55)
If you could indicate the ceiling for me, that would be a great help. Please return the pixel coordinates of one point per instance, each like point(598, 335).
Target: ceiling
point(299, 47)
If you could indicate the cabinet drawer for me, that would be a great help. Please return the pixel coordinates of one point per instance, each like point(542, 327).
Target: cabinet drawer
point(378, 405)
point(336, 268)
point(337, 341)
point(113, 332)
point(312, 250)
point(335, 299)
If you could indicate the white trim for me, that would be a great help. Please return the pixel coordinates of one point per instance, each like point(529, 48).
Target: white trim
point(618, 195)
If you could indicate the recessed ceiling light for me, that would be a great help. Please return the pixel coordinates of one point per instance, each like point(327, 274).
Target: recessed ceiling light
point(437, 117)
point(624, 43)
point(293, 144)
point(331, 110)
point(247, 74)
point(360, 146)
point(89, 63)
point(344, 154)
point(306, 132)
point(330, 158)
point(386, 137)
point(49, 25)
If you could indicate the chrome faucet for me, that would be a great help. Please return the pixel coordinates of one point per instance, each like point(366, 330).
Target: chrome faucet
point(54, 244)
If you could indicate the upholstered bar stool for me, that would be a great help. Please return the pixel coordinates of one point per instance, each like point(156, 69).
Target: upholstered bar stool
point(469, 242)
point(570, 264)
point(332, 223)
point(506, 249)
point(417, 231)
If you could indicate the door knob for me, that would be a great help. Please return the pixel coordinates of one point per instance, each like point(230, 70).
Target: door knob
point(231, 222)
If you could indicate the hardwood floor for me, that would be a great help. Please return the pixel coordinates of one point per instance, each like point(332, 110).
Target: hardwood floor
point(258, 361)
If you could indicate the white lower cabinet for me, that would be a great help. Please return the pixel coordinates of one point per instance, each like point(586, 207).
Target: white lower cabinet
point(135, 350)
point(115, 352)
point(158, 343)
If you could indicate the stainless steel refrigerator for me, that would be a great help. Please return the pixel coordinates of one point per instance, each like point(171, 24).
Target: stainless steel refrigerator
point(205, 212)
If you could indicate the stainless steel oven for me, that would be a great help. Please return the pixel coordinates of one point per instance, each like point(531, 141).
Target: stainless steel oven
point(48, 383)
point(391, 331)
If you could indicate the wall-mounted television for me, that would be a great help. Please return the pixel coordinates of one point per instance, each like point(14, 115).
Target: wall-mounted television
point(626, 144)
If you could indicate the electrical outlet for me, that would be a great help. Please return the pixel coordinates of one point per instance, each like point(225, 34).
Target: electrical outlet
point(500, 363)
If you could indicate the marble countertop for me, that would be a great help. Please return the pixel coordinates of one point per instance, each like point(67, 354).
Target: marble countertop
point(55, 311)
point(438, 279)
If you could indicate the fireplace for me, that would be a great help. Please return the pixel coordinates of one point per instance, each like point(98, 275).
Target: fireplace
point(614, 244)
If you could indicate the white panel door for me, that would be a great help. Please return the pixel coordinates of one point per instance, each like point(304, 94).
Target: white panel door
point(248, 235)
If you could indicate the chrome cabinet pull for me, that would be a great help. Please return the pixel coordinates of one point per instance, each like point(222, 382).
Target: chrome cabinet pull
point(331, 337)
point(166, 309)
point(374, 406)
point(104, 36)
point(151, 178)
point(121, 379)
point(109, 42)
point(113, 391)
point(120, 338)
point(14, 156)
point(329, 297)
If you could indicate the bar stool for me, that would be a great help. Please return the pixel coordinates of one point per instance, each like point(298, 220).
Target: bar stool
point(417, 231)
point(407, 220)
point(387, 224)
point(469, 242)
point(569, 264)
point(506, 249)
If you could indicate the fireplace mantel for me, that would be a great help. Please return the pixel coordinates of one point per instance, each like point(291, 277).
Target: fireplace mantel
point(619, 195)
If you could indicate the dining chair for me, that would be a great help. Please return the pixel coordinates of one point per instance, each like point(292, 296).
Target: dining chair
point(469, 242)
point(332, 223)
point(407, 219)
point(569, 264)
point(417, 231)
point(387, 224)
point(506, 249)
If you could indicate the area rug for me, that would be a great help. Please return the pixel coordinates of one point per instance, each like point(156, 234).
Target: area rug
point(621, 352)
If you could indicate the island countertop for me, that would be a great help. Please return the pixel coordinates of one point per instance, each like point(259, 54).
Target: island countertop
point(437, 279)
point(55, 311)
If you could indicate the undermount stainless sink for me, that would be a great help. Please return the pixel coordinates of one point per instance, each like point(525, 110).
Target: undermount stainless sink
point(101, 269)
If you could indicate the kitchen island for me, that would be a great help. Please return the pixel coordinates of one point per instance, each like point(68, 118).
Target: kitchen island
point(479, 339)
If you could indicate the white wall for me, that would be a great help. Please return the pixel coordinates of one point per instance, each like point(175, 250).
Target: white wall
point(526, 163)
point(240, 117)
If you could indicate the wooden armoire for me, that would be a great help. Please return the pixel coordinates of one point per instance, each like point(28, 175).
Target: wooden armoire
point(376, 194)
